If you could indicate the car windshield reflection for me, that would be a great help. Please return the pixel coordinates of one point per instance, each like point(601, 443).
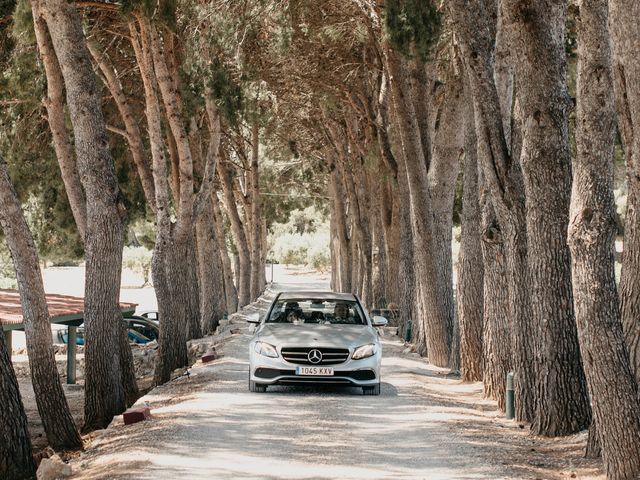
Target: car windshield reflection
point(316, 311)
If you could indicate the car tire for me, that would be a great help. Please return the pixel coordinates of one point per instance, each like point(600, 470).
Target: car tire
point(257, 387)
point(371, 390)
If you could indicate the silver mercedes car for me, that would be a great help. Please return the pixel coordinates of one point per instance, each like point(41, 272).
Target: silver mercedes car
point(316, 337)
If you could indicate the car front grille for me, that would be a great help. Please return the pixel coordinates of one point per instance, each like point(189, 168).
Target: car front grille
point(269, 373)
point(300, 355)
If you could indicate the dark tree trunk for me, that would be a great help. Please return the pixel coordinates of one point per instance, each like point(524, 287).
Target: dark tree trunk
point(16, 458)
point(231, 294)
point(470, 265)
point(625, 38)
point(212, 299)
point(104, 389)
point(592, 232)
point(59, 427)
point(538, 28)
point(496, 338)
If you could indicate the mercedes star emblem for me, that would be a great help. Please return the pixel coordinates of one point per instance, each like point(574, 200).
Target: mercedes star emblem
point(315, 356)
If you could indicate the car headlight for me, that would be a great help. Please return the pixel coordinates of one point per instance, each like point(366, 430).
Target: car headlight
point(364, 351)
point(265, 349)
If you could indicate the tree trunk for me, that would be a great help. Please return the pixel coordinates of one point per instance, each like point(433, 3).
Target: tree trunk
point(183, 231)
point(257, 268)
point(212, 299)
point(433, 323)
point(59, 427)
point(448, 144)
point(592, 232)
point(470, 266)
point(231, 294)
point(134, 136)
point(104, 390)
point(342, 240)
point(496, 338)
point(16, 458)
point(625, 38)
point(563, 405)
point(240, 239)
point(171, 347)
point(57, 124)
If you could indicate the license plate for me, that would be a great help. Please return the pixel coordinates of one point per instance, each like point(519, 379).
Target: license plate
point(319, 371)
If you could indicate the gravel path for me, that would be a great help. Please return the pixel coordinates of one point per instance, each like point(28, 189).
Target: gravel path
point(424, 425)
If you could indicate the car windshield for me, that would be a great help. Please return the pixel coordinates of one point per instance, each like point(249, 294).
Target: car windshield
point(298, 311)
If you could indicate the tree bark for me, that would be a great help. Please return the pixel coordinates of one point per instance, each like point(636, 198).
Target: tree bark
point(104, 389)
point(476, 27)
point(257, 268)
point(447, 147)
point(212, 298)
point(431, 309)
point(538, 32)
point(134, 137)
point(172, 350)
point(57, 124)
point(470, 266)
point(239, 237)
point(186, 294)
point(231, 294)
point(592, 232)
point(53, 408)
point(625, 38)
point(16, 458)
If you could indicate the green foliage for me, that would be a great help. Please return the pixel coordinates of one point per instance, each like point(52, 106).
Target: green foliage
point(226, 90)
point(413, 26)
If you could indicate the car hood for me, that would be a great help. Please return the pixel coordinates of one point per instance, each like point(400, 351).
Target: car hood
point(316, 335)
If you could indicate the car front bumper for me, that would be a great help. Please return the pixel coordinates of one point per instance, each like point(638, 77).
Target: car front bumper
point(277, 371)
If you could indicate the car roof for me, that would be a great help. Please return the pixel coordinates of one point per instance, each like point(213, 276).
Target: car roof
point(316, 295)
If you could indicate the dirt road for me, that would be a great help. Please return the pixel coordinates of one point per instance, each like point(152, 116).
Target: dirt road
point(425, 425)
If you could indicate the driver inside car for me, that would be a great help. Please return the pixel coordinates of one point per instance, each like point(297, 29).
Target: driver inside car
point(341, 313)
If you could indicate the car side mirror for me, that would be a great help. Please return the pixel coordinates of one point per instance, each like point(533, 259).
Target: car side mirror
point(378, 321)
point(254, 318)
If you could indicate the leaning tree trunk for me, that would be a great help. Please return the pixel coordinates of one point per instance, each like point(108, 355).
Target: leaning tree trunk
point(433, 323)
point(171, 348)
point(592, 232)
point(476, 28)
point(243, 275)
point(185, 264)
point(16, 457)
point(53, 408)
point(57, 124)
point(625, 38)
point(133, 134)
point(470, 266)
point(562, 399)
point(104, 390)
